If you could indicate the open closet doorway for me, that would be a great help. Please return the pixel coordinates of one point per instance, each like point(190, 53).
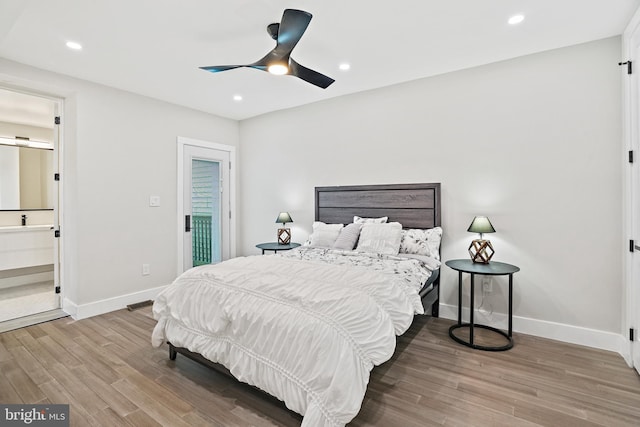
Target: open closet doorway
point(30, 145)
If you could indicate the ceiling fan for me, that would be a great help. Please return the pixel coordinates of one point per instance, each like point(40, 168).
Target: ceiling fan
point(278, 61)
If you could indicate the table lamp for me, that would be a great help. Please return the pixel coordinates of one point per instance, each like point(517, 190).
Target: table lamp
point(481, 250)
point(284, 234)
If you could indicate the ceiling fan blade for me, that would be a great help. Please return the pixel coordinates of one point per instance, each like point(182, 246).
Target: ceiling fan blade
point(218, 68)
point(269, 58)
point(260, 67)
point(293, 25)
point(308, 75)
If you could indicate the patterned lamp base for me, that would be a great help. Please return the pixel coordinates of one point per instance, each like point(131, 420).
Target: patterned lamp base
point(284, 236)
point(481, 251)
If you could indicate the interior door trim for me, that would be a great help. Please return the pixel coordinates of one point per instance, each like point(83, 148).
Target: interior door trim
point(631, 105)
point(181, 143)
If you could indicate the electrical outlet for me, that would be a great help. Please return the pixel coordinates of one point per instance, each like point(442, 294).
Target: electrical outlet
point(487, 285)
point(146, 269)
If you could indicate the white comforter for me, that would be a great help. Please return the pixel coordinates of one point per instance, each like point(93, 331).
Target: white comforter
point(306, 332)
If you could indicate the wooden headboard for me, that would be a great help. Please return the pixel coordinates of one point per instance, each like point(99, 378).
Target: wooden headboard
point(412, 205)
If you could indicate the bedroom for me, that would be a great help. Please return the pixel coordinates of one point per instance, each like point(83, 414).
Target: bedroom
point(549, 176)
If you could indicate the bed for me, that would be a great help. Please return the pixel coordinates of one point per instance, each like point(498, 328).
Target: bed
point(308, 325)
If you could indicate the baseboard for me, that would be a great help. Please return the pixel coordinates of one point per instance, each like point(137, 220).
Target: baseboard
point(540, 328)
point(83, 311)
point(625, 350)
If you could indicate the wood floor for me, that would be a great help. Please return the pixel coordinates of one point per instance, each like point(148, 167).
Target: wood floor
point(106, 369)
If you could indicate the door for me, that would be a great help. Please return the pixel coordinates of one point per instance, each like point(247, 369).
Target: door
point(632, 87)
point(206, 194)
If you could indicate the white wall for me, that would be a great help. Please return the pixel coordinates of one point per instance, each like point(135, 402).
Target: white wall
point(9, 170)
point(533, 142)
point(119, 148)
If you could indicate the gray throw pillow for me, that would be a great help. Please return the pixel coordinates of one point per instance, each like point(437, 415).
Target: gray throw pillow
point(348, 237)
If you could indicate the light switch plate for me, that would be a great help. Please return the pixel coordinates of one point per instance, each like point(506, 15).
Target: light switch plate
point(154, 201)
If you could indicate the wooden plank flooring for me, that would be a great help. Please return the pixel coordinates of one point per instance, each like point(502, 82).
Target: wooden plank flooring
point(106, 369)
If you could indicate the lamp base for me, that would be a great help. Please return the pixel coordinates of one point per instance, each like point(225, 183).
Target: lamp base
point(284, 236)
point(481, 251)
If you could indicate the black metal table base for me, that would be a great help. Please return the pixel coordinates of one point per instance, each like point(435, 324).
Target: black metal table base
point(478, 346)
point(490, 269)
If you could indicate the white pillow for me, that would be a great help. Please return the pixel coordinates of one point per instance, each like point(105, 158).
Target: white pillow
point(360, 220)
point(380, 238)
point(324, 235)
point(421, 242)
point(348, 237)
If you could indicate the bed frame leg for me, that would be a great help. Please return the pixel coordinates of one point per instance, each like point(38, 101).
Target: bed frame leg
point(435, 307)
point(172, 352)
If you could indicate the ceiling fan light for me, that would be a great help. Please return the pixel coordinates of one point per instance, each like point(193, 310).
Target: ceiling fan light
point(278, 69)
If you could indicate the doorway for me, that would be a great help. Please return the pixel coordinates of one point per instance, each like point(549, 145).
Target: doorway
point(30, 143)
point(205, 196)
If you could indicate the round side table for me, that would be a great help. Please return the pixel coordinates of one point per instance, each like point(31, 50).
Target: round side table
point(275, 246)
point(492, 268)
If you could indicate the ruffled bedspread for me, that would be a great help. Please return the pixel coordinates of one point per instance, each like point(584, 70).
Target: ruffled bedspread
point(303, 330)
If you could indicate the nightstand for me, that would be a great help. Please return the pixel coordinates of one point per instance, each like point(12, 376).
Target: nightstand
point(492, 268)
point(275, 246)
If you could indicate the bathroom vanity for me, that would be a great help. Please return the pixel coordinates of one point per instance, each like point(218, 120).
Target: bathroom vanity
point(26, 246)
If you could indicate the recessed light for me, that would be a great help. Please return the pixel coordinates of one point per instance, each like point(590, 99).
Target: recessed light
point(516, 19)
point(237, 97)
point(344, 66)
point(74, 45)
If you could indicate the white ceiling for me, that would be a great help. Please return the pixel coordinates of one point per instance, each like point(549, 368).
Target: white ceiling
point(154, 47)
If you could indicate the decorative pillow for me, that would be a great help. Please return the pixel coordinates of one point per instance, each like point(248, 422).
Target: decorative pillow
point(421, 242)
point(324, 235)
point(380, 238)
point(360, 220)
point(348, 237)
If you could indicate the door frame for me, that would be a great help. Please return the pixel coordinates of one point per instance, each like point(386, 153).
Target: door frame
point(58, 270)
point(630, 142)
point(181, 143)
point(58, 186)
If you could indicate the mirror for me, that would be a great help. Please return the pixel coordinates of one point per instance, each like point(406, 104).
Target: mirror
point(26, 178)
